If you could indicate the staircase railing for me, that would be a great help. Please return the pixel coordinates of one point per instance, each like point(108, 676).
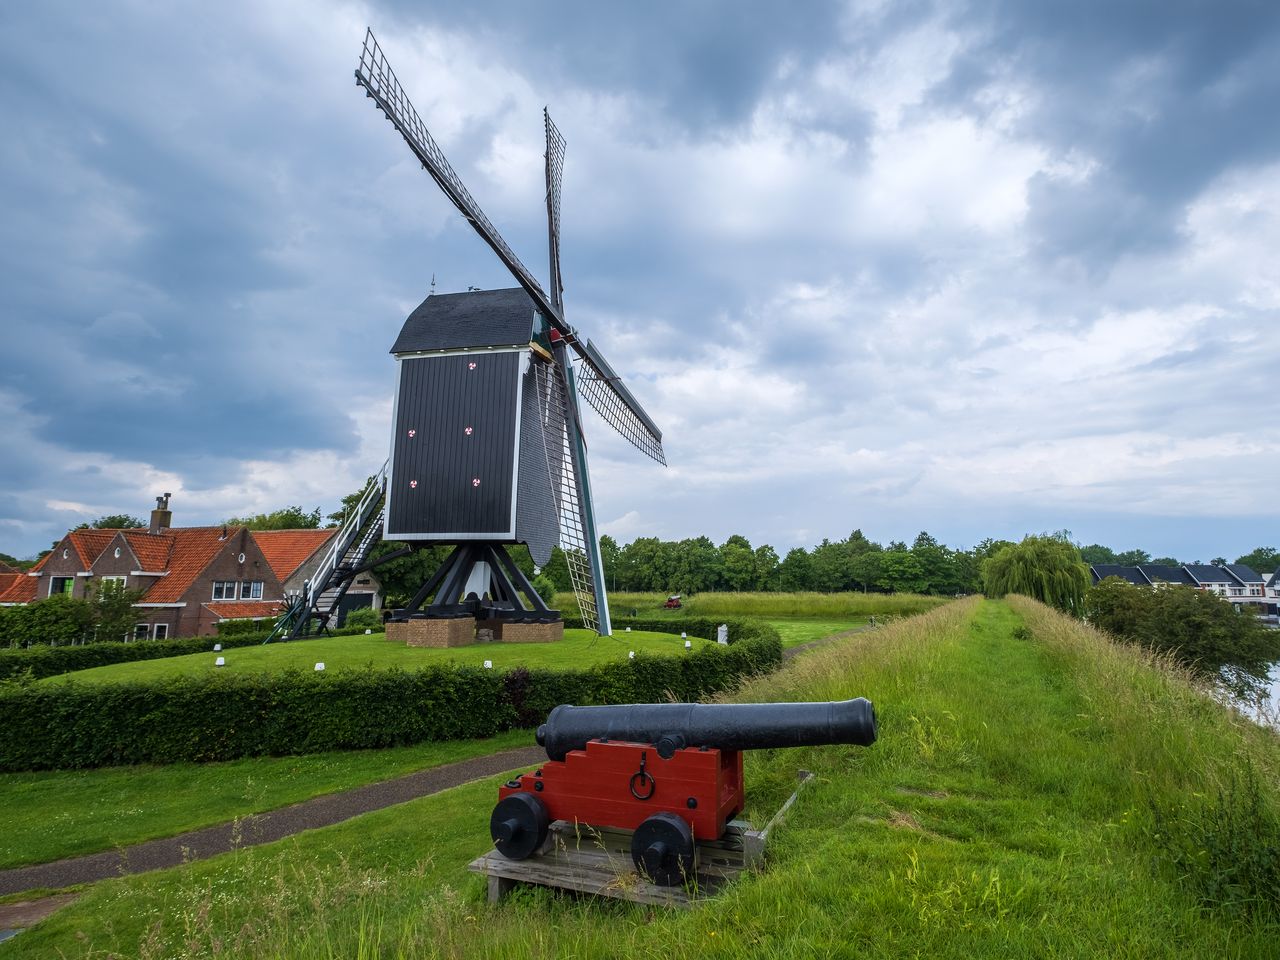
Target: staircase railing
point(355, 526)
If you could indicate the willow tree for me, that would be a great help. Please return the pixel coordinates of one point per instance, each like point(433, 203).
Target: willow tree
point(1044, 567)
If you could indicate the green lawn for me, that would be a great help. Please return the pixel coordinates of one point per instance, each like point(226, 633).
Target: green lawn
point(1005, 812)
point(796, 632)
point(65, 813)
point(578, 648)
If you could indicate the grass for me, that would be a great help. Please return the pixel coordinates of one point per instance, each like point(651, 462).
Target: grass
point(767, 606)
point(578, 648)
point(796, 632)
point(66, 813)
point(1003, 813)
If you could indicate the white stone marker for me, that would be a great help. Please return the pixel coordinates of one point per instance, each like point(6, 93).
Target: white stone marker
point(320, 666)
point(488, 664)
point(688, 644)
point(631, 655)
point(220, 662)
point(217, 647)
point(722, 634)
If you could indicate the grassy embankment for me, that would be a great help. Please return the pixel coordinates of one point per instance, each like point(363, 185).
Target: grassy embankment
point(798, 617)
point(1006, 811)
point(578, 648)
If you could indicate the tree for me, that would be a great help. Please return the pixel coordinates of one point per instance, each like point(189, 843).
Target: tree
point(286, 518)
point(828, 567)
point(766, 567)
point(1131, 558)
point(113, 613)
point(610, 555)
point(1044, 567)
point(1203, 631)
point(113, 521)
point(795, 573)
point(1097, 553)
point(901, 572)
point(1262, 560)
point(696, 566)
point(1167, 561)
point(1219, 561)
point(739, 563)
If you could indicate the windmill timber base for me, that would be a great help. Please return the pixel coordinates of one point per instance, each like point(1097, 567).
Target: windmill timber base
point(478, 592)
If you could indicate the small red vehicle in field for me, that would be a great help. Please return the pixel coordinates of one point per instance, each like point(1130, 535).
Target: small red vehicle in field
point(673, 603)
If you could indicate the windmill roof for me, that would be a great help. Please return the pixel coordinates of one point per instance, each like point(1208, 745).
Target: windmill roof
point(479, 318)
point(287, 550)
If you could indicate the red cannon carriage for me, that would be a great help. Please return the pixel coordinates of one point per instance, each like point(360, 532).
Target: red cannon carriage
point(669, 772)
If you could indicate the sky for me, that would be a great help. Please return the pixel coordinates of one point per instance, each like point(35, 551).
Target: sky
point(982, 269)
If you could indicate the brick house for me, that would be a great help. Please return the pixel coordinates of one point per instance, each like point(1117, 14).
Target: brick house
point(192, 577)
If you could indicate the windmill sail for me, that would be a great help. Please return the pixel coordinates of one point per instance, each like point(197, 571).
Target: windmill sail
point(601, 386)
point(576, 542)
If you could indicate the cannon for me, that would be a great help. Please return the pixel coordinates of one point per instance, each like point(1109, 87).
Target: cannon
point(671, 773)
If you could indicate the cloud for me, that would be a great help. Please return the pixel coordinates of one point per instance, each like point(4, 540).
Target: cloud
point(981, 269)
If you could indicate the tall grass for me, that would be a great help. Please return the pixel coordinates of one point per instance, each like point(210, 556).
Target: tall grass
point(1002, 813)
point(766, 605)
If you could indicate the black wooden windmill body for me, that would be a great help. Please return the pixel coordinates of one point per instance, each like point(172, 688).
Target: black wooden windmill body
point(487, 448)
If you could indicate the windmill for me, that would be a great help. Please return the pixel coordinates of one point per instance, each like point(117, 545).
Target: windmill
point(487, 448)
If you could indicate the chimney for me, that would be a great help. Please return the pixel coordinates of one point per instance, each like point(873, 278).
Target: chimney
point(161, 516)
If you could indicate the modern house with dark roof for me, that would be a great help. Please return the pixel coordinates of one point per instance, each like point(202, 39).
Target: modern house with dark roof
point(190, 577)
point(1234, 582)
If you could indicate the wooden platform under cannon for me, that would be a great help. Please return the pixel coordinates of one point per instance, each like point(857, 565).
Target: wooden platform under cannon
point(592, 860)
point(597, 861)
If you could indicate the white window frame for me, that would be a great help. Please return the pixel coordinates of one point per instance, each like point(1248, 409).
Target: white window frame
point(123, 582)
point(70, 580)
point(160, 631)
point(219, 586)
point(254, 591)
point(141, 631)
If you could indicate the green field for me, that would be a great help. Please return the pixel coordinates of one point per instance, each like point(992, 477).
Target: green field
point(1029, 785)
point(796, 632)
point(767, 606)
point(64, 813)
point(578, 648)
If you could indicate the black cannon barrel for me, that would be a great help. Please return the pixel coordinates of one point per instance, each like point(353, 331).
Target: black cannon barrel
point(727, 726)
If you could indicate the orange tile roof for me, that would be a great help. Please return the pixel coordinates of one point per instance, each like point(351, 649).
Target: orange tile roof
point(193, 549)
point(22, 589)
point(90, 543)
point(242, 609)
point(287, 550)
point(151, 549)
point(8, 576)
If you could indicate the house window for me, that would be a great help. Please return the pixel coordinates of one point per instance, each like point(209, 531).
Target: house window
point(160, 631)
point(59, 585)
point(250, 589)
point(224, 589)
point(110, 585)
point(140, 631)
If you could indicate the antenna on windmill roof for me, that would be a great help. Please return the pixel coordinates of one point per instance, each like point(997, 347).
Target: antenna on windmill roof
point(433, 286)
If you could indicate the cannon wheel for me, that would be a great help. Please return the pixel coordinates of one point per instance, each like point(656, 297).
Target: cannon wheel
point(662, 849)
point(519, 825)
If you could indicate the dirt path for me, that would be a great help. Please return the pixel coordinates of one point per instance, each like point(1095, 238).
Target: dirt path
point(263, 827)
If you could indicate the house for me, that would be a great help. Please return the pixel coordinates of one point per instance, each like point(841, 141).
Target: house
point(190, 577)
point(8, 576)
point(1234, 581)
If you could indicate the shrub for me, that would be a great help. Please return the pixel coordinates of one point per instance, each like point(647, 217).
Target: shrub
point(48, 661)
point(55, 620)
point(1047, 568)
point(546, 588)
point(223, 716)
point(363, 618)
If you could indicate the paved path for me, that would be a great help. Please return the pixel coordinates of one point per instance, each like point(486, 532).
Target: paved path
point(264, 827)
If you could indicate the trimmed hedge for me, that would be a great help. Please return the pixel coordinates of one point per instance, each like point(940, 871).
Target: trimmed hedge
point(46, 661)
point(225, 716)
